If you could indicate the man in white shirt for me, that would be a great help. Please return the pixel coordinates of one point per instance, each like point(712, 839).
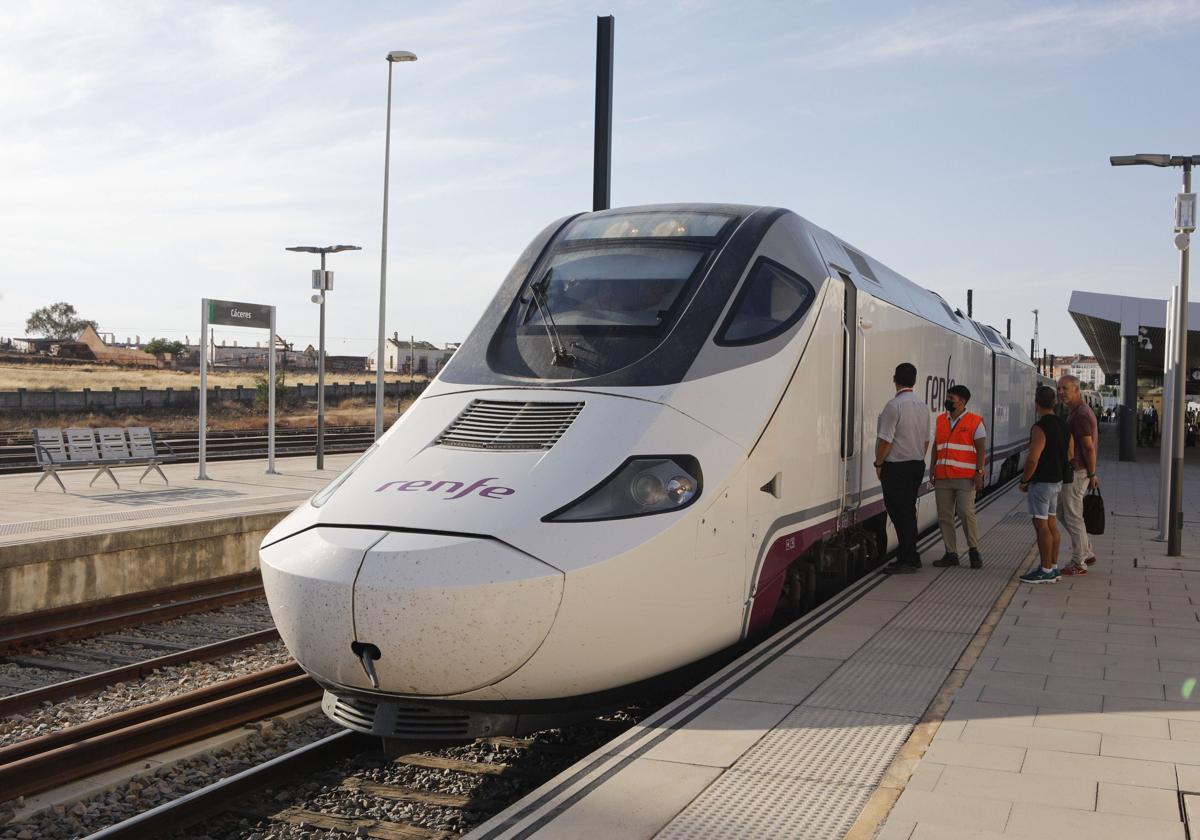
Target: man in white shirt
point(903, 439)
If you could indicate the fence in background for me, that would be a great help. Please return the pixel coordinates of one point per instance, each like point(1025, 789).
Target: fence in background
point(53, 400)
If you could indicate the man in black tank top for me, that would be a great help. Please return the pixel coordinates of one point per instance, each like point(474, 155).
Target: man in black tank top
point(1045, 468)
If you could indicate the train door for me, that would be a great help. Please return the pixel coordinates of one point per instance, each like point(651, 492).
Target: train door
point(851, 434)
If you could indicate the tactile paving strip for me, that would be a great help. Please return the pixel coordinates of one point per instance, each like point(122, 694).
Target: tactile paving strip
point(910, 646)
point(949, 618)
point(745, 805)
point(965, 585)
point(835, 746)
point(884, 687)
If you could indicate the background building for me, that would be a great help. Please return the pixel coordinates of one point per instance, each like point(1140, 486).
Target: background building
point(421, 357)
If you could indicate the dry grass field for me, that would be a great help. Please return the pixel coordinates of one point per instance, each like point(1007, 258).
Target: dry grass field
point(103, 377)
point(221, 417)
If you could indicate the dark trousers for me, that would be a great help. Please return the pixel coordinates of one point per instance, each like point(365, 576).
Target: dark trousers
point(901, 481)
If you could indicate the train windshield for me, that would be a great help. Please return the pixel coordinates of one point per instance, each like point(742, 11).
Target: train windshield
point(628, 286)
point(606, 293)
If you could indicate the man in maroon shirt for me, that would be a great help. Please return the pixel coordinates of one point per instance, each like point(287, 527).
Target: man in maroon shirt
point(1085, 434)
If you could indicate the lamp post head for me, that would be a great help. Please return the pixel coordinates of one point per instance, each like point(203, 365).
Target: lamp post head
point(1144, 159)
point(328, 249)
point(1141, 159)
point(401, 55)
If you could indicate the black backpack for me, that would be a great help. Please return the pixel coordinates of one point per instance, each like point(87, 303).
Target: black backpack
point(1063, 444)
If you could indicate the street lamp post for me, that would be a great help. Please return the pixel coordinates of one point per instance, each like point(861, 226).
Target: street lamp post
point(323, 282)
point(1185, 223)
point(392, 57)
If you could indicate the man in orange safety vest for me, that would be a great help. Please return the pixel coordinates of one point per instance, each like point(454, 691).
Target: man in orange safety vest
point(956, 462)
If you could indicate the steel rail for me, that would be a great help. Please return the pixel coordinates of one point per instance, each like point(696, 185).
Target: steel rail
point(58, 758)
point(149, 711)
point(217, 797)
point(34, 697)
point(127, 610)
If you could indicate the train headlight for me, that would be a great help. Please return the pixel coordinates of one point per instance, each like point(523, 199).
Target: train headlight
point(680, 489)
point(647, 489)
point(641, 486)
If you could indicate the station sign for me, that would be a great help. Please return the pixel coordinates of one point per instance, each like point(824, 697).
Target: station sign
point(230, 313)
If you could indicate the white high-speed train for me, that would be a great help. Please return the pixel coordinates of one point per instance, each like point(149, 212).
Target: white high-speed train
point(657, 440)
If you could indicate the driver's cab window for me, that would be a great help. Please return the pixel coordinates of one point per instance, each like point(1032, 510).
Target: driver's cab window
point(770, 301)
point(624, 286)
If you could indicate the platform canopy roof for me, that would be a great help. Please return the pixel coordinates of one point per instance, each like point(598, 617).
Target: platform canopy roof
point(1104, 319)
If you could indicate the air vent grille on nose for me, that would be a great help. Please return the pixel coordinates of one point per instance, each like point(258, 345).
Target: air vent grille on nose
point(491, 424)
point(355, 712)
point(392, 720)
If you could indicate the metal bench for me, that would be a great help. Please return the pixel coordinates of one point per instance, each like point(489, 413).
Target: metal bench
point(100, 449)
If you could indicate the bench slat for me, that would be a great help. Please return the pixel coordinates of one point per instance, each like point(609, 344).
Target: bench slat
point(48, 446)
point(81, 445)
point(113, 446)
point(141, 442)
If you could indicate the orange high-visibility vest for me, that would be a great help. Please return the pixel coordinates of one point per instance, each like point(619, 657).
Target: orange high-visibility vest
point(955, 447)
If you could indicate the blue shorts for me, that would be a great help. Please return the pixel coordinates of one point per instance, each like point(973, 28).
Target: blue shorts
point(1043, 499)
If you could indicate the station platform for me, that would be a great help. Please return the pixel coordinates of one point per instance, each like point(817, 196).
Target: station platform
point(98, 542)
point(949, 704)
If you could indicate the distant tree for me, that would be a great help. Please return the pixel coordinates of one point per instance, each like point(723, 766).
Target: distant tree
point(59, 320)
point(164, 347)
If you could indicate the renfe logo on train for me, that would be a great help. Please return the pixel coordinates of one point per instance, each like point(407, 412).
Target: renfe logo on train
point(936, 388)
point(452, 489)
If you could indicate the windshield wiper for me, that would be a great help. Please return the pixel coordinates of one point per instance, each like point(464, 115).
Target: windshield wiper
point(562, 358)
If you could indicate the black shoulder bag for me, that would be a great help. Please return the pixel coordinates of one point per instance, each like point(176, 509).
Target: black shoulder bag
point(1093, 512)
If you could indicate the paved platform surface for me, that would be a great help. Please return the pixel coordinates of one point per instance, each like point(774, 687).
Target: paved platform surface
point(946, 705)
point(234, 487)
point(1081, 717)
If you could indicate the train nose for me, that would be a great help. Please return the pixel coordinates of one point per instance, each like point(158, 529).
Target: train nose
point(450, 614)
point(309, 581)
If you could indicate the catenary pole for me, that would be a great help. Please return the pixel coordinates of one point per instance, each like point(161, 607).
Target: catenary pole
point(602, 143)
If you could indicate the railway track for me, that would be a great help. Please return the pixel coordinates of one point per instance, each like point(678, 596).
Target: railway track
point(49, 657)
point(435, 794)
point(128, 610)
point(48, 761)
point(17, 455)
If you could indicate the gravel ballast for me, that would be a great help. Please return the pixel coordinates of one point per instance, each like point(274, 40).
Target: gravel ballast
point(153, 788)
point(166, 682)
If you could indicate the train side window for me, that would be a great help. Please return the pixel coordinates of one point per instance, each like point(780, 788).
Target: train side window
point(770, 301)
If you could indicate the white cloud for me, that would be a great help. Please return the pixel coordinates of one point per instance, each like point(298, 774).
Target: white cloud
point(1049, 30)
point(244, 40)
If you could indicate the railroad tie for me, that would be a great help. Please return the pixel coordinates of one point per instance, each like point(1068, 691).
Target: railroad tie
point(434, 762)
point(58, 664)
point(357, 827)
point(395, 793)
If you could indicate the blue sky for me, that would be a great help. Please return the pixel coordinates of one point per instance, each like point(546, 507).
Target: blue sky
point(152, 153)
